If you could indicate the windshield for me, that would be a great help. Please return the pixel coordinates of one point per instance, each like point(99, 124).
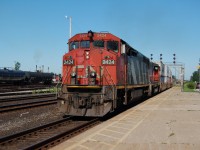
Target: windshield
point(85, 44)
point(112, 45)
point(73, 45)
point(99, 44)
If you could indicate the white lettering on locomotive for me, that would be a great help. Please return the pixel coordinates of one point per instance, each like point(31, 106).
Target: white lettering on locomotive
point(108, 62)
point(83, 35)
point(101, 35)
point(68, 62)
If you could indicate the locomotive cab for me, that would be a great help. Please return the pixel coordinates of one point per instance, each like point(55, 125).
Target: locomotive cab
point(88, 55)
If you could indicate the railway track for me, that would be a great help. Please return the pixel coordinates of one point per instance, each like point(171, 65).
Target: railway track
point(48, 135)
point(4, 99)
point(25, 92)
point(27, 101)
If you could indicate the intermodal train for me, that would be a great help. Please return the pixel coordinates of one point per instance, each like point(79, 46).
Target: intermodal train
point(27, 77)
point(102, 72)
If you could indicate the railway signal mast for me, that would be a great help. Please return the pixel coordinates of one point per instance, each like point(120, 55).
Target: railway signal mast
point(178, 71)
point(151, 57)
point(160, 57)
point(174, 58)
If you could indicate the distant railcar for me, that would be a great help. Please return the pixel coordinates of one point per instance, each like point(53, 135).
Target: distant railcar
point(166, 76)
point(11, 76)
point(37, 77)
point(19, 77)
point(102, 72)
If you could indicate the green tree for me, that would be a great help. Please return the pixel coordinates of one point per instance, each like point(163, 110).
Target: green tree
point(17, 65)
point(195, 76)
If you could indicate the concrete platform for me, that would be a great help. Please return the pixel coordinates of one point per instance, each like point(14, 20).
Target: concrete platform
point(170, 120)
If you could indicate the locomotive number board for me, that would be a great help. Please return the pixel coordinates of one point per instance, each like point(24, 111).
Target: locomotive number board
point(68, 62)
point(108, 62)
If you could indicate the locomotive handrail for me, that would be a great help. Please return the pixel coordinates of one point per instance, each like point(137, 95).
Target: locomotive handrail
point(67, 71)
point(109, 76)
point(113, 87)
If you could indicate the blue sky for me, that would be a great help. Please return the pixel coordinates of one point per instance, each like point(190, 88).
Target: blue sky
point(35, 32)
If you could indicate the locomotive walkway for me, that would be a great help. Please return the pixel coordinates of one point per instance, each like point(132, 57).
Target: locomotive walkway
point(170, 120)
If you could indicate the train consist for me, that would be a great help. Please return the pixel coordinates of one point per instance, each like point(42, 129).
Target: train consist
point(27, 77)
point(102, 72)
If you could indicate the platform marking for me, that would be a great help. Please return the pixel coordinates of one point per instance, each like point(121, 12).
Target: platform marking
point(115, 131)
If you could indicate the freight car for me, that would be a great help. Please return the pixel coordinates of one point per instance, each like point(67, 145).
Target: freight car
point(37, 77)
point(102, 72)
point(21, 77)
point(11, 76)
point(165, 76)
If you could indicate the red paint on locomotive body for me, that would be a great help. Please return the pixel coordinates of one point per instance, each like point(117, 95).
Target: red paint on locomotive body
point(87, 57)
point(156, 73)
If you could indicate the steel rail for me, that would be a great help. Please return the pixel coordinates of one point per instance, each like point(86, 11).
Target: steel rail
point(25, 97)
point(48, 135)
point(14, 107)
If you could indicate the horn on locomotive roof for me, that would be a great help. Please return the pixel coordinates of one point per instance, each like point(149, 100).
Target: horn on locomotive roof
point(90, 34)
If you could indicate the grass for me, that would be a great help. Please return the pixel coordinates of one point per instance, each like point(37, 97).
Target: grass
point(50, 90)
point(186, 89)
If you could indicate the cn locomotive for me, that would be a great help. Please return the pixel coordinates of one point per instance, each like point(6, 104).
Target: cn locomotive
point(27, 77)
point(102, 72)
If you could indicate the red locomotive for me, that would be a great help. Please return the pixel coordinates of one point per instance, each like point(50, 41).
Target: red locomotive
point(102, 72)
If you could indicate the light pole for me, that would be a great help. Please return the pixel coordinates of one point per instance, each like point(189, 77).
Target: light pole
point(70, 25)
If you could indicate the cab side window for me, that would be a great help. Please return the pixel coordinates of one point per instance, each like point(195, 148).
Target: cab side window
point(113, 45)
point(73, 45)
point(85, 44)
point(98, 43)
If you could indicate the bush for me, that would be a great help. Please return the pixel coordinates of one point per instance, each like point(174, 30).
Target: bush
point(191, 85)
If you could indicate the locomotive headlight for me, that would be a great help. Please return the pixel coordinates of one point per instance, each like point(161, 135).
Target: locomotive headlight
point(87, 57)
point(93, 74)
point(156, 68)
point(73, 74)
point(92, 79)
point(87, 54)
